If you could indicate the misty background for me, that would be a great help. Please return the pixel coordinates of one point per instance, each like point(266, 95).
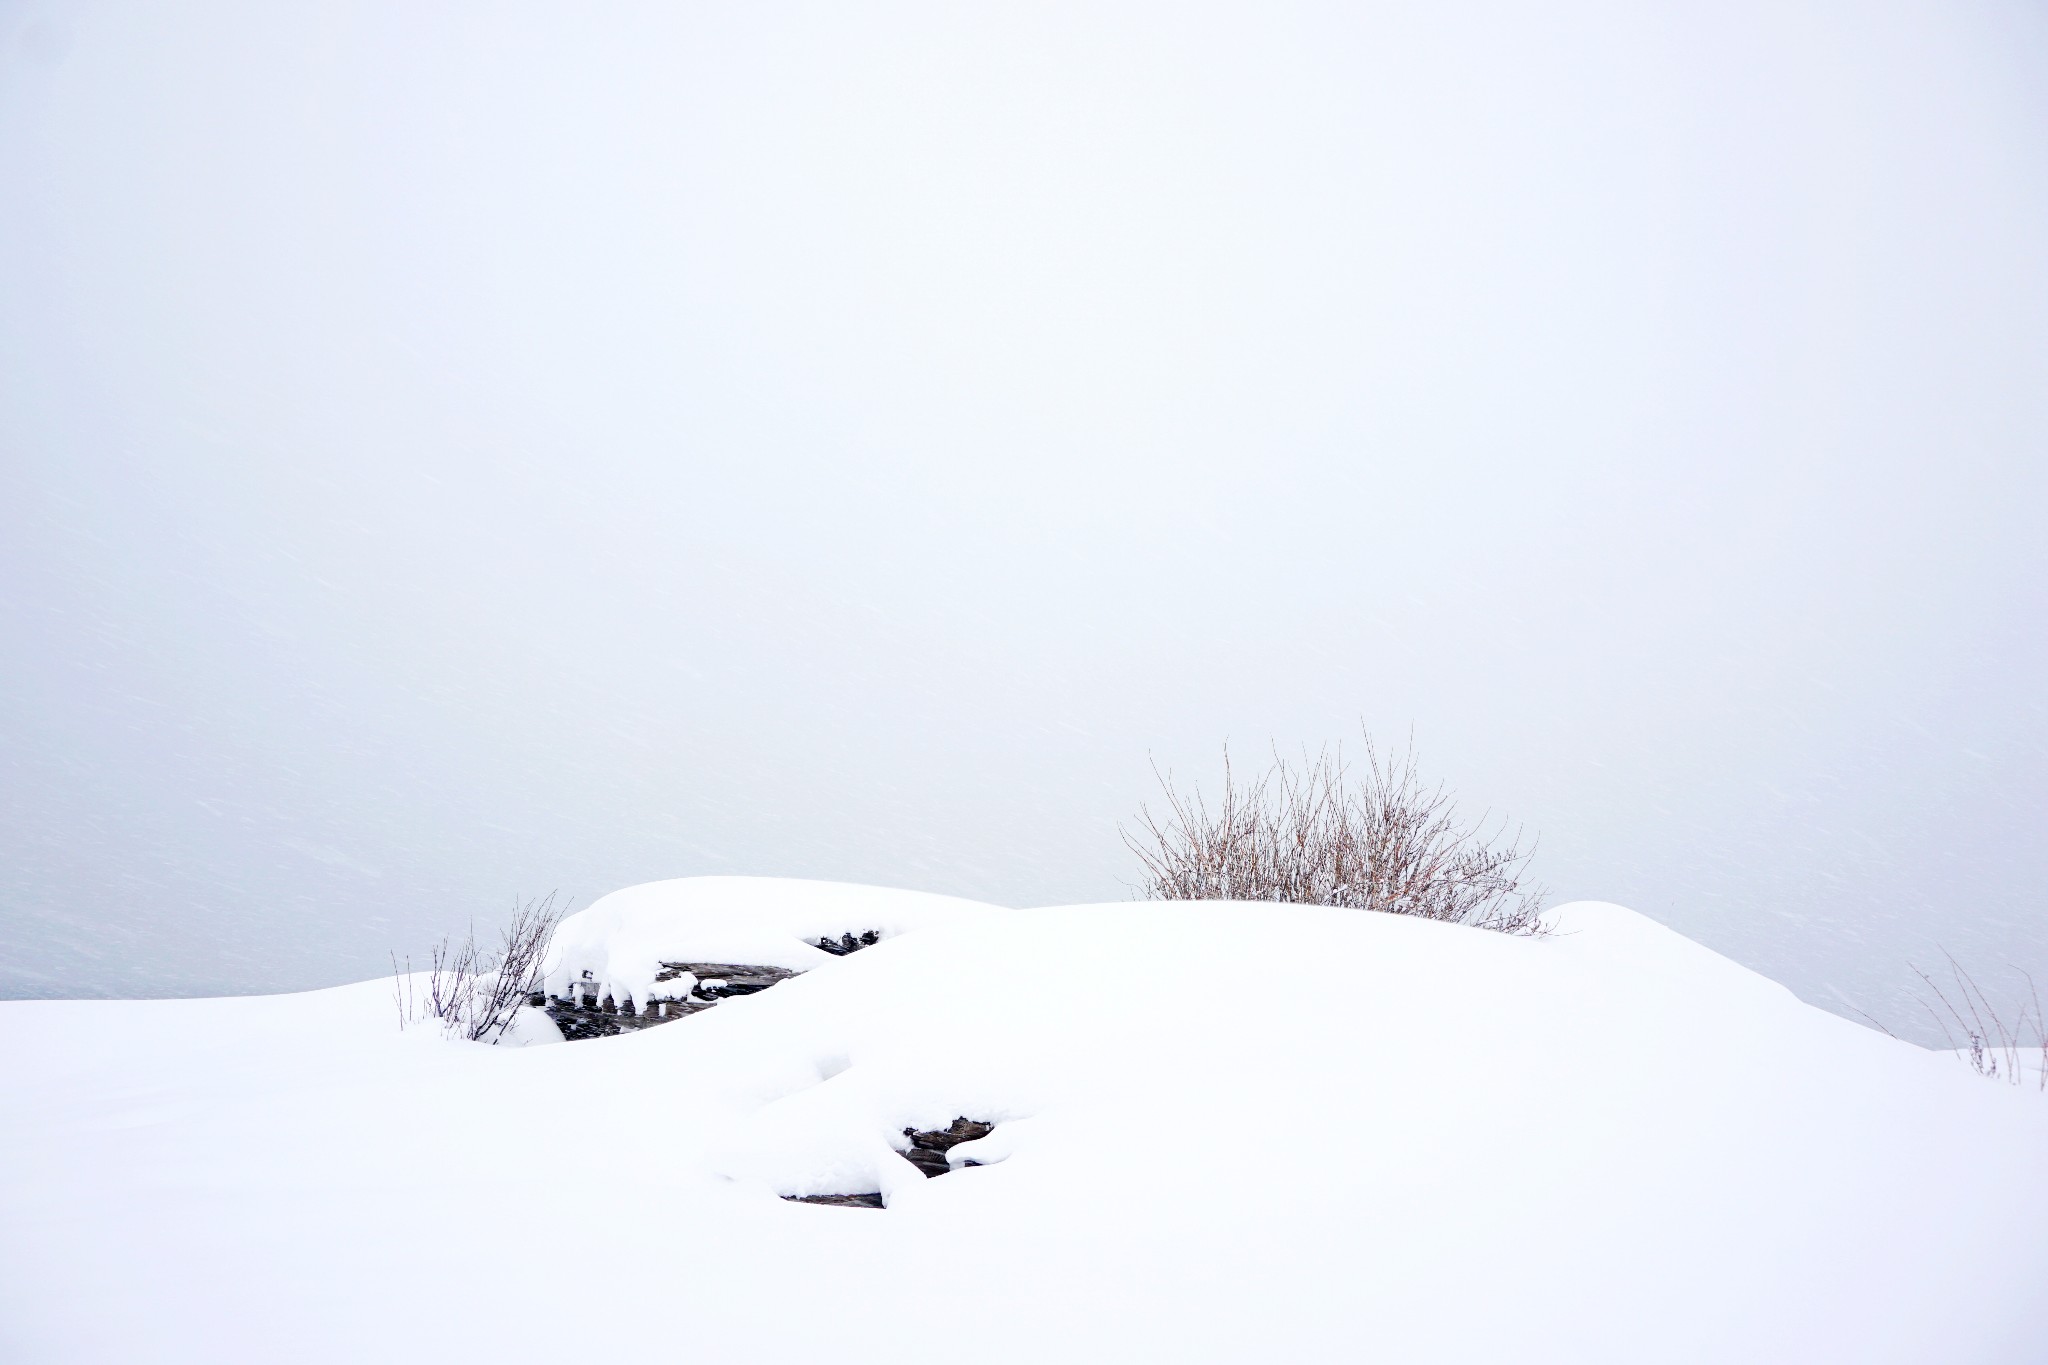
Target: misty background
point(454, 451)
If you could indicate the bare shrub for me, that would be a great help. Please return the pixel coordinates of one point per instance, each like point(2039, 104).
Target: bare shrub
point(1980, 1034)
point(1321, 832)
point(475, 992)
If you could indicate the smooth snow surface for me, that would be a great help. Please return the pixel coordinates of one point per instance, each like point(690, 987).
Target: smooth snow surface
point(1225, 1133)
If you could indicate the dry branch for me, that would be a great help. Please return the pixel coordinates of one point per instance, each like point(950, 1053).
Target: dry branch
point(476, 992)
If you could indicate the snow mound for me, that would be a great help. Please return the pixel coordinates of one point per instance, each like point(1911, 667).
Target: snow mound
point(620, 943)
point(1220, 1133)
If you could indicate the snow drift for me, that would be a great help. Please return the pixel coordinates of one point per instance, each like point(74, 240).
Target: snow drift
point(1222, 1133)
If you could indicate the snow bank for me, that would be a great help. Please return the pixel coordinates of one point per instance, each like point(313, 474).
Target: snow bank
point(1222, 1133)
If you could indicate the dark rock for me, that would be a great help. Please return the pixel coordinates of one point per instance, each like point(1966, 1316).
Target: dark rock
point(734, 974)
point(581, 1016)
point(925, 1159)
point(580, 1021)
point(945, 1139)
point(927, 1153)
point(928, 1149)
point(842, 1201)
point(848, 943)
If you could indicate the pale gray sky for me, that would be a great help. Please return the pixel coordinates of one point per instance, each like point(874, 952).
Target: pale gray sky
point(453, 451)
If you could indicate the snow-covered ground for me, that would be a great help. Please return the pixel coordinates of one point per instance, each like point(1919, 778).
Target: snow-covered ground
point(1224, 1133)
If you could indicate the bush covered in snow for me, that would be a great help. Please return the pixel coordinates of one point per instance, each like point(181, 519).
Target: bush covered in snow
point(1321, 832)
point(476, 991)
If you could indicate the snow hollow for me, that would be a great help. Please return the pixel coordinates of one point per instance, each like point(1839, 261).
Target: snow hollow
point(1197, 1132)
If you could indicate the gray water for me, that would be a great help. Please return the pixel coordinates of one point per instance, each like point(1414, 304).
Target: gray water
point(450, 453)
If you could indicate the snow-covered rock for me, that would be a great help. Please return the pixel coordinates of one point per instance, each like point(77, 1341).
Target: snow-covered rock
point(619, 946)
point(1220, 1133)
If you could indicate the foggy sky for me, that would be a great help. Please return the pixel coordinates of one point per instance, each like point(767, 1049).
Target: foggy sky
point(454, 451)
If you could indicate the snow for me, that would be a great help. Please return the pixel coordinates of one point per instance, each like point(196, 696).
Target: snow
point(621, 941)
point(1224, 1133)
